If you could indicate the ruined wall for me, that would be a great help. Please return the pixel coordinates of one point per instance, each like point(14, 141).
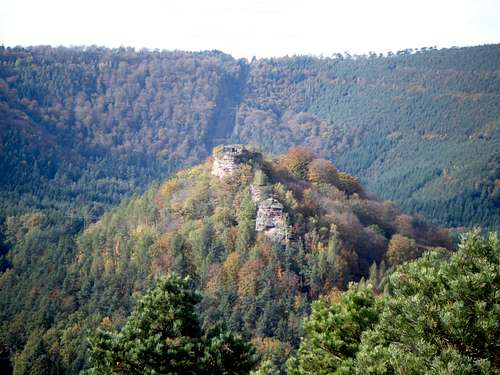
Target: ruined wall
point(228, 158)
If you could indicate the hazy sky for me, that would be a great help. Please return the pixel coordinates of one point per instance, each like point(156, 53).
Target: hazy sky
point(252, 27)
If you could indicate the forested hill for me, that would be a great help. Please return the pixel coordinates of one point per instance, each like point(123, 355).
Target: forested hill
point(81, 128)
point(261, 237)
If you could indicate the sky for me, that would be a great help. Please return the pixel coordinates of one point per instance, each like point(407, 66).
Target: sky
point(247, 28)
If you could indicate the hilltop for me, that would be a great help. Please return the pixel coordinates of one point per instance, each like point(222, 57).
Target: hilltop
point(260, 236)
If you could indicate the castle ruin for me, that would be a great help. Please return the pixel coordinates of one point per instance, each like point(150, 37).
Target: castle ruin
point(270, 218)
point(227, 158)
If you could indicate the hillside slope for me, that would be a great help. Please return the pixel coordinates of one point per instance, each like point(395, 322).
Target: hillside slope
point(261, 237)
point(87, 127)
point(419, 128)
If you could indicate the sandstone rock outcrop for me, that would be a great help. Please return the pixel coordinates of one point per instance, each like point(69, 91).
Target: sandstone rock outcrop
point(227, 158)
point(271, 220)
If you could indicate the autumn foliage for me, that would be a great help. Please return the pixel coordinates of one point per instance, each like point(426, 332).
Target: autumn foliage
point(296, 161)
point(322, 171)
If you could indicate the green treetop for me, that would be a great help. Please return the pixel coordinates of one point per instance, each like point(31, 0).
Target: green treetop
point(333, 333)
point(163, 336)
point(443, 317)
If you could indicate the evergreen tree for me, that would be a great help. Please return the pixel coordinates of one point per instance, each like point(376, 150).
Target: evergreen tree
point(443, 316)
point(246, 223)
point(163, 336)
point(226, 354)
point(333, 333)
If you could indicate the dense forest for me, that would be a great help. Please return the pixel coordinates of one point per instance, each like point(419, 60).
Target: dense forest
point(88, 222)
point(440, 316)
point(205, 226)
point(433, 318)
point(86, 127)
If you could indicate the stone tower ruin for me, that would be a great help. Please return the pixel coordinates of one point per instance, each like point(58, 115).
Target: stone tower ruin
point(227, 158)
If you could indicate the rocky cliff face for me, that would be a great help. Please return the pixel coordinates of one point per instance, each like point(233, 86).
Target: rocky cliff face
point(271, 220)
point(228, 158)
point(270, 212)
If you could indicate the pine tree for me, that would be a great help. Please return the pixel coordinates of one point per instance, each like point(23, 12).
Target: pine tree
point(333, 333)
point(442, 316)
point(163, 336)
point(246, 223)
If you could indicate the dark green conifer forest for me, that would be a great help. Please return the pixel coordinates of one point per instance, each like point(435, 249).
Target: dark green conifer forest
point(122, 253)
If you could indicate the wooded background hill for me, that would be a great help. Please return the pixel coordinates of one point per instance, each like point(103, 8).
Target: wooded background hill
point(86, 127)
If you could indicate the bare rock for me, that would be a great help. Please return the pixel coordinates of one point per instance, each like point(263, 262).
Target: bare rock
point(271, 220)
point(228, 158)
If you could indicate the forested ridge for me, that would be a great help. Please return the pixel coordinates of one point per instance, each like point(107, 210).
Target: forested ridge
point(93, 125)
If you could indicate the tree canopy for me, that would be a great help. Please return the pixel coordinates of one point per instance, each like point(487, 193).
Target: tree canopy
point(333, 333)
point(441, 316)
point(163, 336)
